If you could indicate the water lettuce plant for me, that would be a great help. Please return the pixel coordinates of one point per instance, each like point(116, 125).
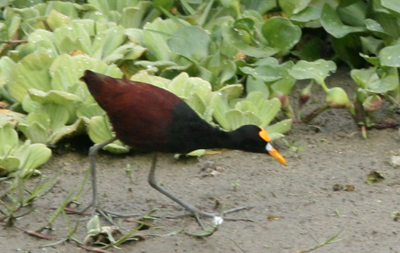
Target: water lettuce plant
point(19, 158)
point(51, 92)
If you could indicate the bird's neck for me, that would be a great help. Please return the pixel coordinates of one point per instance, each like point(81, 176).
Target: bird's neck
point(223, 139)
point(217, 138)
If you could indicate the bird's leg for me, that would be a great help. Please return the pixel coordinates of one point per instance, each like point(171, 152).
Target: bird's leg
point(92, 156)
point(155, 185)
point(193, 210)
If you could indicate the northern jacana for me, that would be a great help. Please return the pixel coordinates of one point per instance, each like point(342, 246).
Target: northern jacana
point(150, 118)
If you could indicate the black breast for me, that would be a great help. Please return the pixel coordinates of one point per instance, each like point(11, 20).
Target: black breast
point(187, 131)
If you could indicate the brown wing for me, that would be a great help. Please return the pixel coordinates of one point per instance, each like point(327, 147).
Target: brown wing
point(139, 112)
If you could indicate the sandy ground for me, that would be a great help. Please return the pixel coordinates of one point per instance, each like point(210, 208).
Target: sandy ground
point(295, 207)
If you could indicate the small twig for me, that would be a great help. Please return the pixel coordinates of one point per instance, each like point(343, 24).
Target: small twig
point(34, 233)
point(71, 210)
point(386, 125)
point(94, 249)
point(237, 245)
point(13, 41)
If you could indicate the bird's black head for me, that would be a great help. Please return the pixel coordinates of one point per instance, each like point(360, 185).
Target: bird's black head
point(255, 139)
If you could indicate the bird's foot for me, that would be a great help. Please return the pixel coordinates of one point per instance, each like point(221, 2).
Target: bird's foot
point(106, 214)
point(217, 218)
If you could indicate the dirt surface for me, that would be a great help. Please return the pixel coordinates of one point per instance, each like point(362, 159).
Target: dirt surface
point(295, 207)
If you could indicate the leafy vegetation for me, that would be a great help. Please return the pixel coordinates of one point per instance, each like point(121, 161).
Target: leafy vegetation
point(234, 62)
point(17, 158)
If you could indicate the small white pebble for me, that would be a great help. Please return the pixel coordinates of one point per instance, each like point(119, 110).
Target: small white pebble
point(217, 220)
point(395, 160)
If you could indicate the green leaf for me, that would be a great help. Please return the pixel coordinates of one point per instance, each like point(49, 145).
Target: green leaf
point(32, 156)
point(387, 19)
point(364, 76)
point(47, 124)
point(103, 6)
point(373, 60)
point(371, 44)
point(390, 56)
point(286, 83)
point(266, 73)
point(254, 109)
point(331, 22)
point(255, 84)
point(374, 26)
point(90, 111)
point(67, 8)
point(265, 110)
point(135, 35)
point(53, 96)
point(191, 42)
point(57, 19)
point(74, 36)
point(67, 70)
point(233, 37)
point(290, 7)
point(165, 4)
point(93, 225)
point(231, 91)
point(310, 13)
point(109, 45)
point(353, 14)
point(8, 140)
point(392, 5)
point(276, 130)
point(155, 36)
point(238, 118)
point(58, 115)
point(272, 73)
point(388, 82)
point(195, 91)
point(6, 67)
point(67, 130)
point(198, 152)
point(245, 24)
point(35, 132)
point(40, 41)
point(261, 6)
point(10, 164)
point(221, 68)
point(370, 81)
point(99, 130)
point(281, 34)
point(220, 103)
point(220, 107)
point(143, 76)
point(155, 65)
point(13, 26)
point(30, 72)
point(133, 16)
point(317, 70)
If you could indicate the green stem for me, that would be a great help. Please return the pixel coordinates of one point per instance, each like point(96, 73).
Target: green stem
point(315, 113)
point(323, 84)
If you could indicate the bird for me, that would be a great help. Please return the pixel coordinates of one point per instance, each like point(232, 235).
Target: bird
point(150, 118)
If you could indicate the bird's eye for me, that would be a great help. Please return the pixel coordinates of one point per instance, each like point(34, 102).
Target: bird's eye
point(269, 147)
